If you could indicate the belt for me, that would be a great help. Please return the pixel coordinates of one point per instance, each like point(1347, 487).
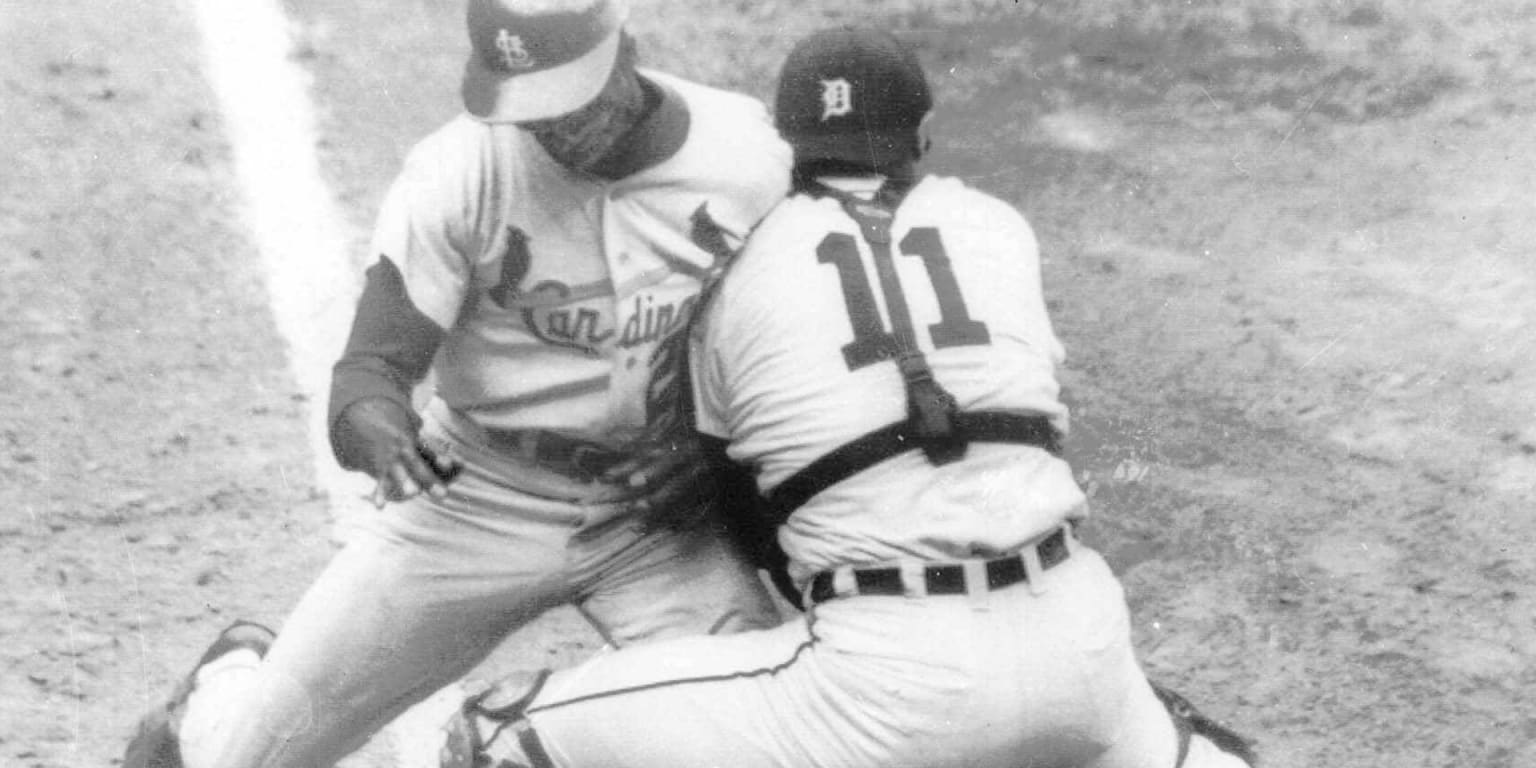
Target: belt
point(575, 458)
point(947, 578)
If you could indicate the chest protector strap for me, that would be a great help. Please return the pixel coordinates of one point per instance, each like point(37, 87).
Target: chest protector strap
point(930, 408)
point(934, 422)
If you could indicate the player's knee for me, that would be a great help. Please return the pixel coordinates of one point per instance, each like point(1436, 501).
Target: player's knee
point(491, 729)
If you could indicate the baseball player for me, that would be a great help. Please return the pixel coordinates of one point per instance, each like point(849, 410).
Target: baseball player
point(537, 261)
point(880, 357)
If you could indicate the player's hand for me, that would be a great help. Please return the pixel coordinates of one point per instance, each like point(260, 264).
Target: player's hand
point(383, 437)
point(647, 466)
point(669, 478)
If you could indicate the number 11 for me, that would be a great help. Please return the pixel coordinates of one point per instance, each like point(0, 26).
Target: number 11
point(871, 342)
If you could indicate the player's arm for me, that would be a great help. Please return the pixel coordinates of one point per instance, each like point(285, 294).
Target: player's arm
point(1015, 231)
point(373, 426)
point(736, 482)
point(411, 295)
point(745, 523)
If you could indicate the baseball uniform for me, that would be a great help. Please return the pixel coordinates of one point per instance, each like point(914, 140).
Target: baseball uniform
point(547, 309)
point(954, 618)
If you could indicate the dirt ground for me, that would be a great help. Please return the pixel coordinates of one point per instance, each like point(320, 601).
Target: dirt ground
point(1287, 247)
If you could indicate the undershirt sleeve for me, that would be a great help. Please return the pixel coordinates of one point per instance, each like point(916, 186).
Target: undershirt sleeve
point(388, 352)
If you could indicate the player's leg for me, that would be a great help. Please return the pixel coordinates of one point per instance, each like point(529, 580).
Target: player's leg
point(223, 673)
point(1161, 730)
point(1151, 726)
point(370, 638)
point(1069, 687)
point(412, 602)
point(746, 700)
point(640, 585)
point(868, 681)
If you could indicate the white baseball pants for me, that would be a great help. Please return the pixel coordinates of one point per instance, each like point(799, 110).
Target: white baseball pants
point(1039, 674)
point(425, 590)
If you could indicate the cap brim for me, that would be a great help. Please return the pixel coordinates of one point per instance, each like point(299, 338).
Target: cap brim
point(499, 97)
point(874, 149)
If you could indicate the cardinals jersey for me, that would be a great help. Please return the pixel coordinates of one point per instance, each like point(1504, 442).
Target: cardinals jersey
point(556, 290)
point(787, 368)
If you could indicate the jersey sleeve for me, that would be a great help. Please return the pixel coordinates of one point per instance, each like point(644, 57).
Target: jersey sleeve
point(425, 226)
point(1011, 232)
point(1029, 248)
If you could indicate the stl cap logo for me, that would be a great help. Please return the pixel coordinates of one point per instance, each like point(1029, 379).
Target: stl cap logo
point(513, 54)
point(836, 98)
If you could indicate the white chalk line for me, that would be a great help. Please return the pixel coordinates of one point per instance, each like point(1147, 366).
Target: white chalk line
point(312, 279)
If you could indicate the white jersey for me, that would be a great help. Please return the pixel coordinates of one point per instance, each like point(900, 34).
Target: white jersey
point(555, 288)
point(784, 370)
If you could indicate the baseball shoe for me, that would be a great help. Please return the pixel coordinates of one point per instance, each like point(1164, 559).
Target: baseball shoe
point(155, 740)
point(1190, 724)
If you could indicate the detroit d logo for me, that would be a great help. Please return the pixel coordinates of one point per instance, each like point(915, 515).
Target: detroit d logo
point(836, 98)
point(513, 54)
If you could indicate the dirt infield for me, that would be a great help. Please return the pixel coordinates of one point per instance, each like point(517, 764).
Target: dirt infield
point(1287, 248)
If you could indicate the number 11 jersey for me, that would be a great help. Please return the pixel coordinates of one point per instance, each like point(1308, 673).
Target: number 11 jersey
point(794, 357)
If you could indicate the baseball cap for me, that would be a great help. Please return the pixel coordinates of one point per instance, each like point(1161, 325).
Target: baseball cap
point(852, 93)
point(538, 59)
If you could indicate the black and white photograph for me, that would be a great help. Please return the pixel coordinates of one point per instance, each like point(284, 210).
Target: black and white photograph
point(768, 384)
